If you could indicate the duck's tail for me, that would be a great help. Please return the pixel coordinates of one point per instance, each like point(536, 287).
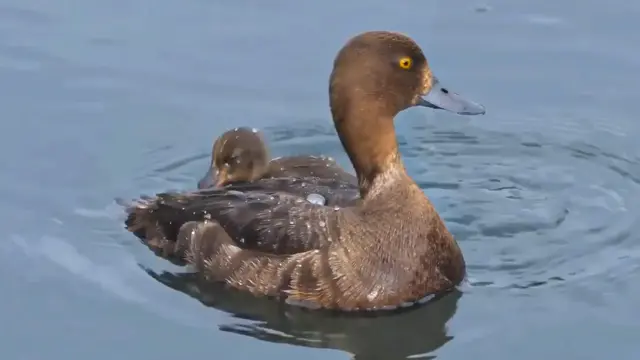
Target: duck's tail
point(168, 231)
point(199, 241)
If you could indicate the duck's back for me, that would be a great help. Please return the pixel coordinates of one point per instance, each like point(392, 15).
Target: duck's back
point(391, 250)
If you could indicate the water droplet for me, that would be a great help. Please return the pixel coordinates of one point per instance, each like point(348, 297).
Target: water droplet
point(316, 199)
point(374, 293)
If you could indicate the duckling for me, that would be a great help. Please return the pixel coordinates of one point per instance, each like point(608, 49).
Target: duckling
point(241, 155)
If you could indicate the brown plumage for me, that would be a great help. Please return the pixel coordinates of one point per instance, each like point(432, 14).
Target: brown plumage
point(390, 249)
point(241, 155)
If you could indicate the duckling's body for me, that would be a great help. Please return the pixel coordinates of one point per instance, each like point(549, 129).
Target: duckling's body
point(310, 166)
point(389, 249)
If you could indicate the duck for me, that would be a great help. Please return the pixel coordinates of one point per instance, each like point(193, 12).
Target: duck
point(241, 155)
point(389, 250)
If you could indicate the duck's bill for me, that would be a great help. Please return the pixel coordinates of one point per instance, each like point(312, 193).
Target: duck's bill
point(210, 180)
point(440, 97)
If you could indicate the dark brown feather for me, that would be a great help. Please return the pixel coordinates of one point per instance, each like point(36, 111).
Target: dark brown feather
point(267, 215)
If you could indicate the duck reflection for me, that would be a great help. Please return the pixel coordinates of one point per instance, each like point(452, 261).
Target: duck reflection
point(414, 333)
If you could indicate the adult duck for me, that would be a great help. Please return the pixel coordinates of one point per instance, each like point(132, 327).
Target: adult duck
point(391, 249)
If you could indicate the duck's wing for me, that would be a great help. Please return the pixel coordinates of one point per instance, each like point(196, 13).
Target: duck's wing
point(309, 278)
point(310, 166)
point(334, 275)
point(270, 215)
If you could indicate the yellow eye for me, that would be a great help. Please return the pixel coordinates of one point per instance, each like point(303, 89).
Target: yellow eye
point(406, 63)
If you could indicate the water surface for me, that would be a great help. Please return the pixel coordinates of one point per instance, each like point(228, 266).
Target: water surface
point(106, 99)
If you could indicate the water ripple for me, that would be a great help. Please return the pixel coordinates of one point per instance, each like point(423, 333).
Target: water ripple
point(529, 213)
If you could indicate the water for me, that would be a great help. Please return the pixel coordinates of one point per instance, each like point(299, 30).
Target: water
point(106, 99)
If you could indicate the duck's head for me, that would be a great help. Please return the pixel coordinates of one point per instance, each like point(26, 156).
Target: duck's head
point(390, 72)
point(238, 155)
point(375, 76)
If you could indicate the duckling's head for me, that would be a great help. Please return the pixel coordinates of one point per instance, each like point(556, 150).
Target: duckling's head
point(238, 155)
point(375, 76)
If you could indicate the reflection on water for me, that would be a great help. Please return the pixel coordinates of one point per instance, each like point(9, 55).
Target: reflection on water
point(411, 333)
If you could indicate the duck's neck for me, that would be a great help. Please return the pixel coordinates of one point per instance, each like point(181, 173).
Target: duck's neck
point(370, 141)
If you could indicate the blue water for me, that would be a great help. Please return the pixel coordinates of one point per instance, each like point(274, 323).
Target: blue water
point(104, 99)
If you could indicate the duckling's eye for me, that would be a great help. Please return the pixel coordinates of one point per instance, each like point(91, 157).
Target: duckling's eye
point(406, 63)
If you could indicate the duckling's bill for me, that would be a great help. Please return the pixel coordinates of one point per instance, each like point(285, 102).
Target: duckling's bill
point(440, 97)
point(213, 178)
